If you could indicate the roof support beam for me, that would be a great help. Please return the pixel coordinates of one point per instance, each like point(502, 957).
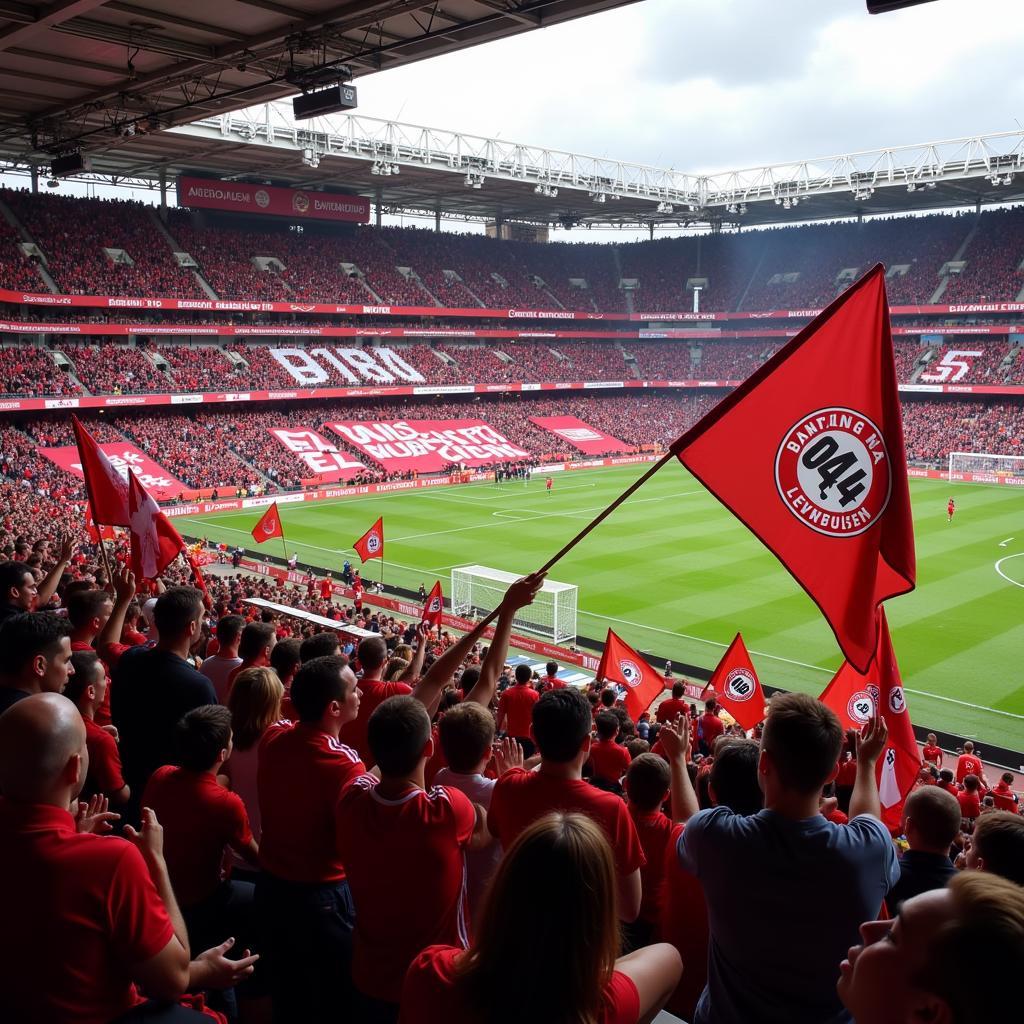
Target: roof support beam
point(51, 16)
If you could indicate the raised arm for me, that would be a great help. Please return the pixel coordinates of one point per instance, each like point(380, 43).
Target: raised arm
point(675, 738)
point(439, 675)
point(415, 666)
point(870, 744)
point(124, 591)
point(519, 595)
point(48, 587)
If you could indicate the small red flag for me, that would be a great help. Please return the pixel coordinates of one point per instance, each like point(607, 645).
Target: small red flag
point(197, 576)
point(808, 453)
point(155, 542)
point(94, 532)
point(621, 664)
point(371, 544)
point(107, 489)
point(269, 525)
point(736, 686)
point(856, 697)
point(433, 608)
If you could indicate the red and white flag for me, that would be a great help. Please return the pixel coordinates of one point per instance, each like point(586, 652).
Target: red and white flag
point(107, 489)
point(621, 664)
point(856, 697)
point(371, 544)
point(269, 525)
point(155, 542)
point(433, 607)
point(808, 453)
point(736, 687)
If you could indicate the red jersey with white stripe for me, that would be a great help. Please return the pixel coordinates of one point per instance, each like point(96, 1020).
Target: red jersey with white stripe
point(301, 774)
point(406, 866)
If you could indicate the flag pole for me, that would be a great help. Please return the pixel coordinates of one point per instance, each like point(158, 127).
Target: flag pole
point(103, 555)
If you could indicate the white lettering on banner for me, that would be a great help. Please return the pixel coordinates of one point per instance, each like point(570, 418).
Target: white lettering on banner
point(61, 403)
point(953, 366)
point(363, 363)
point(379, 366)
point(392, 361)
point(186, 399)
point(301, 365)
point(321, 457)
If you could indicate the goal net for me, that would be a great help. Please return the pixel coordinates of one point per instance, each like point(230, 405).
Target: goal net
point(478, 590)
point(984, 467)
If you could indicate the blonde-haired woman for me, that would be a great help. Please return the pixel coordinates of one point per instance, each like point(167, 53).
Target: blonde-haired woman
point(255, 704)
point(548, 938)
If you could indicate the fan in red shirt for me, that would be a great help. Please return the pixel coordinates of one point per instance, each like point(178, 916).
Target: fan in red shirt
point(103, 901)
point(647, 785)
point(561, 728)
point(326, 588)
point(86, 689)
point(202, 820)
point(968, 763)
point(303, 902)
point(931, 752)
point(515, 708)
point(674, 705)
point(608, 760)
point(404, 850)
point(709, 727)
point(557, 881)
point(372, 656)
point(1005, 798)
point(970, 799)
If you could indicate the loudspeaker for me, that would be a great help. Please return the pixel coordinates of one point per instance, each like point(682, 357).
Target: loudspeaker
point(324, 101)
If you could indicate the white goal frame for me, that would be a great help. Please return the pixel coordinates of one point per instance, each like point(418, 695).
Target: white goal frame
point(984, 467)
point(478, 589)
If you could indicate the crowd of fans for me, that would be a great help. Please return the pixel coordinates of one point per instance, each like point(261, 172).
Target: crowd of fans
point(107, 366)
point(233, 450)
point(794, 267)
point(454, 810)
point(74, 231)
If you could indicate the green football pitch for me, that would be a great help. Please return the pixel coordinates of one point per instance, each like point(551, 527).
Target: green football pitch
point(675, 575)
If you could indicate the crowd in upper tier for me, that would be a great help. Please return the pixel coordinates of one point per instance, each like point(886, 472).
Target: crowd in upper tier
point(94, 246)
point(108, 366)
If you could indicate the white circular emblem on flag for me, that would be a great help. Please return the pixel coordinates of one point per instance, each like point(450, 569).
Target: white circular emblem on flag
point(897, 702)
point(373, 543)
point(740, 685)
point(631, 672)
point(832, 472)
point(269, 526)
point(435, 604)
point(861, 707)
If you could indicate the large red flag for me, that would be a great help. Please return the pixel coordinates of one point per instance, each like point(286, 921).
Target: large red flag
point(736, 686)
point(106, 488)
point(96, 533)
point(269, 525)
point(155, 542)
point(371, 544)
point(433, 607)
point(856, 697)
point(621, 664)
point(808, 453)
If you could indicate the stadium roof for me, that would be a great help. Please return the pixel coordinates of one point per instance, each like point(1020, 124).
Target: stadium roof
point(412, 169)
point(100, 73)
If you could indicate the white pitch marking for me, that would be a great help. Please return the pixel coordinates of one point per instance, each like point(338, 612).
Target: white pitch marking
point(1005, 542)
point(1020, 554)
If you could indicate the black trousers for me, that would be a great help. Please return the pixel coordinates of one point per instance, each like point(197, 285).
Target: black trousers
point(306, 937)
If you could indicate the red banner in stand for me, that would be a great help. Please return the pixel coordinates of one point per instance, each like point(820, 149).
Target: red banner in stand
point(125, 458)
point(582, 436)
point(428, 446)
point(210, 194)
point(320, 456)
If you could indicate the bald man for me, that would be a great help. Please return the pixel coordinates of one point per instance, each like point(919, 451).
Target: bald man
point(85, 915)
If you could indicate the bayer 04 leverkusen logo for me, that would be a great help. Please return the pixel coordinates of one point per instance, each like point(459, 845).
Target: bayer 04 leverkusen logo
point(740, 685)
point(833, 473)
point(435, 605)
point(631, 672)
point(373, 543)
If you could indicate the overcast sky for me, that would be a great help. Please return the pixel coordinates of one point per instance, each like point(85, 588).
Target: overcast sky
point(703, 85)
